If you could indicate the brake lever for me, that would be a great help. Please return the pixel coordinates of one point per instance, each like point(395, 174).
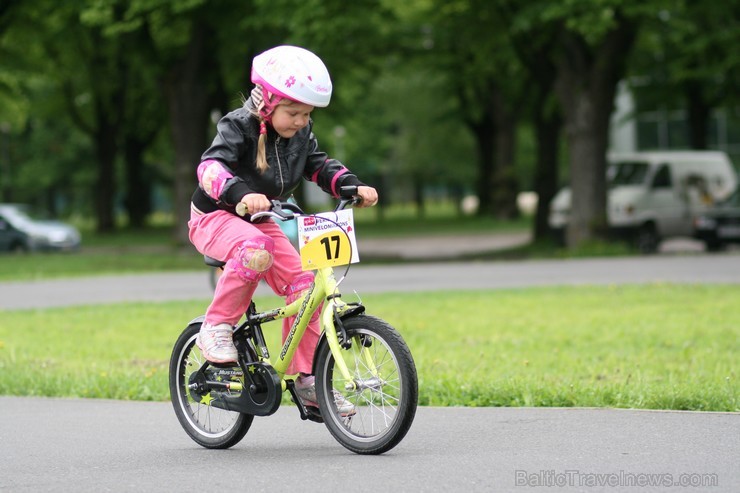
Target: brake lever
point(278, 210)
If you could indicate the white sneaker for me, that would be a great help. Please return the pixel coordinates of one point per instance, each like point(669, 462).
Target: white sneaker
point(216, 343)
point(306, 389)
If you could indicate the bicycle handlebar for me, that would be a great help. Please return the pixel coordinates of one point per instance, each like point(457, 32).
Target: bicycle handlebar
point(285, 211)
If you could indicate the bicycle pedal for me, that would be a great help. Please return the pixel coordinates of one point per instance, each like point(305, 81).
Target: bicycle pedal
point(310, 413)
point(231, 364)
point(313, 414)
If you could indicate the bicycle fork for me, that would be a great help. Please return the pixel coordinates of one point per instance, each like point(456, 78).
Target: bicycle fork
point(331, 320)
point(333, 328)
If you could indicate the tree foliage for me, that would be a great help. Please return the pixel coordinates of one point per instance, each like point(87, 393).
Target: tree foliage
point(683, 60)
point(104, 101)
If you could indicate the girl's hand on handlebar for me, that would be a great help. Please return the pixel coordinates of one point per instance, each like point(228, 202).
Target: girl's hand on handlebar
point(255, 202)
point(368, 196)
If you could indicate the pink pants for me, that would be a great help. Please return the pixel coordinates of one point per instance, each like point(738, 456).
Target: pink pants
point(248, 250)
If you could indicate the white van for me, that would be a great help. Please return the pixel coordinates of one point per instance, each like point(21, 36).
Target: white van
point(655, 195)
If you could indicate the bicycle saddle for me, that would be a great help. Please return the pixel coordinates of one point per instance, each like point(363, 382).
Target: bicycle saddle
point(213, 262)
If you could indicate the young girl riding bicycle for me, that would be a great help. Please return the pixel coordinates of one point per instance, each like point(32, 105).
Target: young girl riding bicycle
point(262, 151)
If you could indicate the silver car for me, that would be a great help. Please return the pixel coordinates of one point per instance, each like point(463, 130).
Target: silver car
point(32, 234)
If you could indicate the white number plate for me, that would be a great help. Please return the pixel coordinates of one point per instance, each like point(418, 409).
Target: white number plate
point(327, 240)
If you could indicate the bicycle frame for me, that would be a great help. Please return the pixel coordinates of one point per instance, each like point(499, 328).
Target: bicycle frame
point(322, 290)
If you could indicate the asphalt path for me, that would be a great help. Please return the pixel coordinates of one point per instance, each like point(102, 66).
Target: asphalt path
point(418, 276)
point(101, 445)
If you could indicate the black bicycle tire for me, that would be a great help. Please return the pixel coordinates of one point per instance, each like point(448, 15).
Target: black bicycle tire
point(178, 396)
point(406, 369)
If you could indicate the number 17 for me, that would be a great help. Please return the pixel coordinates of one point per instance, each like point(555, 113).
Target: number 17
point(336, 240)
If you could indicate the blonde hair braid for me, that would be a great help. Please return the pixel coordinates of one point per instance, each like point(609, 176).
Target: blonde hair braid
point(258, 104)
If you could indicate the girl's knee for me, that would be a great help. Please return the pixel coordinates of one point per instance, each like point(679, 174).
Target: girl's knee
point(299, 284)
point(253, 258)
point(296, 289)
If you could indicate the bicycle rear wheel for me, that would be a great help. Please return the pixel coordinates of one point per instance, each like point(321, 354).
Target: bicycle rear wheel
point(384, 390)
point(209, 426)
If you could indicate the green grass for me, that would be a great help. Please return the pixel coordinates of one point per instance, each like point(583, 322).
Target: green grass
point(153, 248)
point(653, 347)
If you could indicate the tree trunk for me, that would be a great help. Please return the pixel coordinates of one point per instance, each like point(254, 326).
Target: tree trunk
point(106, 61)
point(188, 109)
point(144, 116)
point(484, 131)
point(418, 185)
point(6, 179)
point(699, 114)
point(106, 148)
point(138, 185)
point(537, 55)
point(586, 85)
point(483, 127)
point(587, 145)
point(548, 124)
point(504, 185)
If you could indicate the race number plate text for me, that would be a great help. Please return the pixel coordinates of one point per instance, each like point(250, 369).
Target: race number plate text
point(327, 240)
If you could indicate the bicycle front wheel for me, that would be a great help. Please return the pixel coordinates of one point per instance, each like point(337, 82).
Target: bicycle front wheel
point(209, 426)
point(372, 413)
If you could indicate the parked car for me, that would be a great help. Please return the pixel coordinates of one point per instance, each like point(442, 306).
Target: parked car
point(655, 195)
point(719, 225)
point(12, 240)
point(21, 232)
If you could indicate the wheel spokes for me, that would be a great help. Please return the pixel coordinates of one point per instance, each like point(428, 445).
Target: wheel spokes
point(376, 387)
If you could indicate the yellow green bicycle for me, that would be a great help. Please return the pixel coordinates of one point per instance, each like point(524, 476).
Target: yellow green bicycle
point(359, 357)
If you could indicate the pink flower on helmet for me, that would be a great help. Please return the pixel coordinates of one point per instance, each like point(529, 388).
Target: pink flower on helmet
point(290, 81)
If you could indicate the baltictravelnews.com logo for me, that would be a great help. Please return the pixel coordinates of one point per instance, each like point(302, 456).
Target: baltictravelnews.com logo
point(621, 479)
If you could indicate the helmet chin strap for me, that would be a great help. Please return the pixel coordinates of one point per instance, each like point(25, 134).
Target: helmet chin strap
point(264, 101)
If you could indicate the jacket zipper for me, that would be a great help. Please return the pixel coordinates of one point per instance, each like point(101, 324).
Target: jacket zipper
point(280, 167)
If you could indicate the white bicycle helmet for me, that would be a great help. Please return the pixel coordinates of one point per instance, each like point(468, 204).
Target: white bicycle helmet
point(294, 73)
